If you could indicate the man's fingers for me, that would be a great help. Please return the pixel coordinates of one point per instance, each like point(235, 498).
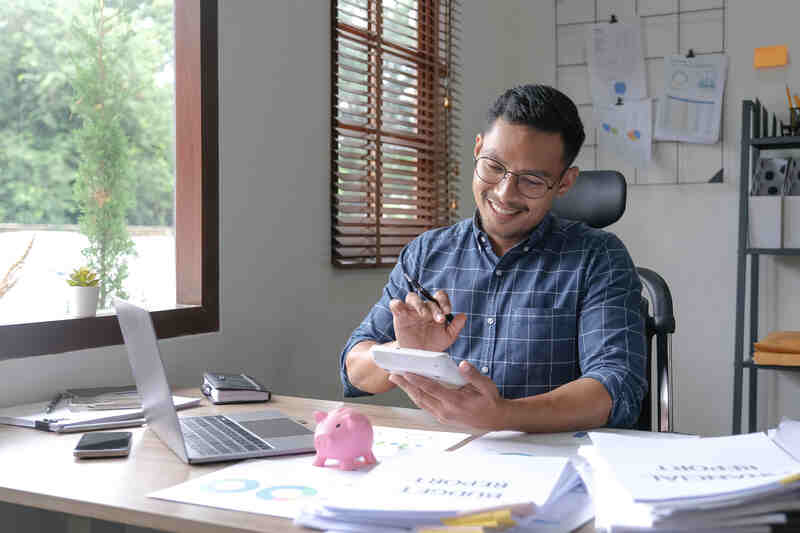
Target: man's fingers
point(455, 327)
point(416, 303)
point(483, 384)
point(420, 398)
point(444, 301)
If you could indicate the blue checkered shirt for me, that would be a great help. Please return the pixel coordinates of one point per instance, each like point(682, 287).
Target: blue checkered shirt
point(564, 303)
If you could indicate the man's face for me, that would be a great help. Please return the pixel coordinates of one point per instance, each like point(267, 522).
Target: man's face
point(508, 216)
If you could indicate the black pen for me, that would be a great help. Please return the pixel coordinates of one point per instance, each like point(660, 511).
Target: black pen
point(53, 403)
point(415, 285)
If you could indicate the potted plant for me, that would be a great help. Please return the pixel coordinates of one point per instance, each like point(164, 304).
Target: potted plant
point(85, 291)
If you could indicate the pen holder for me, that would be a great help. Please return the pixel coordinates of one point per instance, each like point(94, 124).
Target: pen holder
point(794, 120)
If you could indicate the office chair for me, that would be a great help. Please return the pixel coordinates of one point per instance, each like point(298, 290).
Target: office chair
point(598, 198)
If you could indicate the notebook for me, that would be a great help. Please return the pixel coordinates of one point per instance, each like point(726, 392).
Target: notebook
point(201, 439)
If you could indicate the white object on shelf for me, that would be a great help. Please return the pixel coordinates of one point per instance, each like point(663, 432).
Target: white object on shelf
point(791, 221)
point(765, 221)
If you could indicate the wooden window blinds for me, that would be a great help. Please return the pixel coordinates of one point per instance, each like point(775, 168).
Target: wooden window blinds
point(394, 129)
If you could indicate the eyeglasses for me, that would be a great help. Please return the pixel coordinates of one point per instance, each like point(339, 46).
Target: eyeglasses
point(529, 185)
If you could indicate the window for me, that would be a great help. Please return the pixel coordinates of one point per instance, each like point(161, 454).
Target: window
point(194, 219)
point(394, 129)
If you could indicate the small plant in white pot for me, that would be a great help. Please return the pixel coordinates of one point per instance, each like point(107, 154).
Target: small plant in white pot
point(85, 291)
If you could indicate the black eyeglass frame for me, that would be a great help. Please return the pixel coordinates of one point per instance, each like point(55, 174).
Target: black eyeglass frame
point(517, 175)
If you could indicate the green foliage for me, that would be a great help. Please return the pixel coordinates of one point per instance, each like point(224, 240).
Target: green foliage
point(103, 82)
point(83, 277)
point(39, 155)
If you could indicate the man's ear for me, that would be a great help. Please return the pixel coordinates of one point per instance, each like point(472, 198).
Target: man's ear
point(478, 146)
point(567, 180)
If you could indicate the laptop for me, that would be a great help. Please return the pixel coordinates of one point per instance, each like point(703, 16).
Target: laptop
point(201, 439)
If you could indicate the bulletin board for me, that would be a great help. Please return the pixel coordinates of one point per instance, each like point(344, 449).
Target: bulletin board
point(668, 27)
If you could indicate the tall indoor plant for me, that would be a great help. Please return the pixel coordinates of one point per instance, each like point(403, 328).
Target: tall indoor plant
point(103, 189)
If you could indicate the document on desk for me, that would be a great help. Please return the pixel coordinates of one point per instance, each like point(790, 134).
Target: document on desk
point(283, 486)
point(711, 470)
point(61, 419)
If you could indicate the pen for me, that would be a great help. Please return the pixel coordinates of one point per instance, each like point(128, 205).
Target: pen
point(796, 100)
point(415, 285)
point(788, 97)
point(53, 403)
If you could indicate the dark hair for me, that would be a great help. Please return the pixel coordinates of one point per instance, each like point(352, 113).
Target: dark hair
point(545, 109)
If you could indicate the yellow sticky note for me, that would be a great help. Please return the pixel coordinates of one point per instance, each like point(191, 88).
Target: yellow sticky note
point(771, 56)
point(500, 518)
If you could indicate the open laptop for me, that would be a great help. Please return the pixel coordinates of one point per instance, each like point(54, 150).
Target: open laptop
point(201, 439)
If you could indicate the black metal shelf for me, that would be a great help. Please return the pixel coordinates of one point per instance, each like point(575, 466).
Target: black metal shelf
point(772, 251)
point(755, 121)
point(752, 364)
point(775, 143)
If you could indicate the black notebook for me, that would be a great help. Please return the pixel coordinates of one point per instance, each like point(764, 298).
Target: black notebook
point(220, 387)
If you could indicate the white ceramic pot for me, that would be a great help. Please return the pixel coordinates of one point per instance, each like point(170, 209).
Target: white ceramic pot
point(85, 300)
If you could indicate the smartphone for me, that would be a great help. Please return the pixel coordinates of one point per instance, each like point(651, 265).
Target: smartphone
point(104, 444)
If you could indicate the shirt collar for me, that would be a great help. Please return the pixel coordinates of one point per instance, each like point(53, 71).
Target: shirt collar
point(535, 237)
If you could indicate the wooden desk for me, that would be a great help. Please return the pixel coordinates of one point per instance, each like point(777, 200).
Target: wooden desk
point(37, 469)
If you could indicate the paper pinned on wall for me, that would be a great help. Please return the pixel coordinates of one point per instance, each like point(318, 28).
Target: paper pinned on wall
point(616, 62)
point(690, 106)
point(626, 130)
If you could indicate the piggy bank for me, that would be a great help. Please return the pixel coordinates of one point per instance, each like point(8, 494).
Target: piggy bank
point(343, 434)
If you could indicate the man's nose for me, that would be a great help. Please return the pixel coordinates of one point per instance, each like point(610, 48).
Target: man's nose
point(507, 186)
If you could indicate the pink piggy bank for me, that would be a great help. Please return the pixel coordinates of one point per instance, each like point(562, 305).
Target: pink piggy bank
point(343, 434)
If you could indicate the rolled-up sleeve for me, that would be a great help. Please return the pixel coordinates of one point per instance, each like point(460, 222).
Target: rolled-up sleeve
point(378, 325)
point(611, 326)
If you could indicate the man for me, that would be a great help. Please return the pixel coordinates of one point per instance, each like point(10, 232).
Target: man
point(548, 326)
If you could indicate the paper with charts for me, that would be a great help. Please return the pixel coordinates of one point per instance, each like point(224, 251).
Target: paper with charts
point(690, 106)
point(281, 486)
point(626, 130)
point(616, 62)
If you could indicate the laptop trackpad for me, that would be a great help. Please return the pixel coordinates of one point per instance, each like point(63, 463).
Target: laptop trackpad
point(272, 428)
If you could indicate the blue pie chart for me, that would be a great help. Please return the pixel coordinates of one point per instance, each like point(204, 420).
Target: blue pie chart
point(232, 485)
point(286, 492)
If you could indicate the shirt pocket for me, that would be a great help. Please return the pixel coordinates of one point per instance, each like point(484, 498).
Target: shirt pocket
point(545, 337)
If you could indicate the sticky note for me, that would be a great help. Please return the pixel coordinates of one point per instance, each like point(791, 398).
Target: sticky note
point(771, 56)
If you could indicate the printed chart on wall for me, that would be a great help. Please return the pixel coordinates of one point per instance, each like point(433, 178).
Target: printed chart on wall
point(616, 62)
point(690, 108)
point(626, 130)
point(283, 486)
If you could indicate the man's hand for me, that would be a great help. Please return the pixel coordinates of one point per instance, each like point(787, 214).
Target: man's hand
point(422, 325)
point(477, 404)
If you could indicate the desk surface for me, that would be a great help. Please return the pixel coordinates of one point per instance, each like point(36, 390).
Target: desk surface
point(39, 470)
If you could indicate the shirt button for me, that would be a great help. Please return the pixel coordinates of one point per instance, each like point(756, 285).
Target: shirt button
point(485, 369)
point(526, 249)
point(490, 320)
point(483, 239)
point(498, 273)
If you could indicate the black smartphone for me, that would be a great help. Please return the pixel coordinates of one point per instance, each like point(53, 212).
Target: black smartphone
point(104, 444)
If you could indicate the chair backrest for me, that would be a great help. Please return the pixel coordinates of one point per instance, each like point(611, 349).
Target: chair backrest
point(598, 198)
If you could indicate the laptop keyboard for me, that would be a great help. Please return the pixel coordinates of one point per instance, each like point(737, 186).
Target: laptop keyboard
point(218, 435)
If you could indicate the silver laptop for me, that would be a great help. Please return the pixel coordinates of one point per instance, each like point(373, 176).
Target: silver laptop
point(201, 439)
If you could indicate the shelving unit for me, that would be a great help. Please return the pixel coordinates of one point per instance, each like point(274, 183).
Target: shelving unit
point(754, 140)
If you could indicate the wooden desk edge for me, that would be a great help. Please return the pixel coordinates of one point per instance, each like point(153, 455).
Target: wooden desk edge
point(175, 516)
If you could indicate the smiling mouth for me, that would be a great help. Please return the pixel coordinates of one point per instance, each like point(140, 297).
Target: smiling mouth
point(500, 210)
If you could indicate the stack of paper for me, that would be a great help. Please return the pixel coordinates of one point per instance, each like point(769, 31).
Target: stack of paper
point(744, 481)
point(62, 419)
point(426, 489)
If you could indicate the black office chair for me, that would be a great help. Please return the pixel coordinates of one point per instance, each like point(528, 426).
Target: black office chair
point(598, 198)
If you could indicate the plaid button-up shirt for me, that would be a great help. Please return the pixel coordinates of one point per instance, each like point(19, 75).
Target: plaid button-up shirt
point(562, 304)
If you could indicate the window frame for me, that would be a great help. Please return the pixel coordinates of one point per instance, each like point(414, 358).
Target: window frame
point(196, 211)
point(442, 192)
